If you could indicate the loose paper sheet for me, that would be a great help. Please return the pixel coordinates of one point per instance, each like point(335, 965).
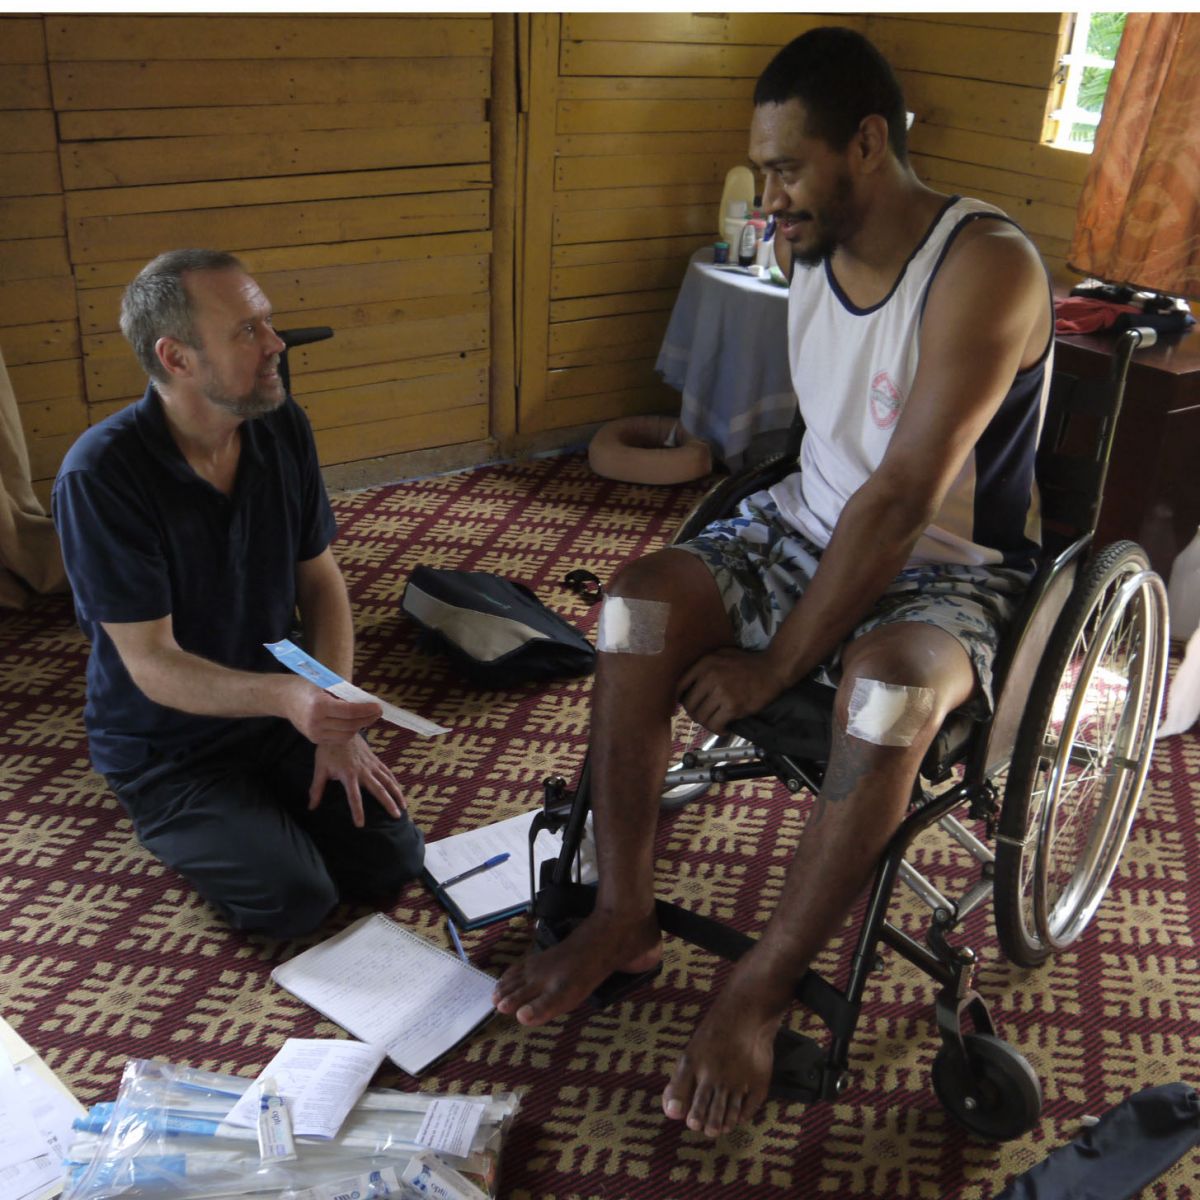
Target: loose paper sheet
point(450, 1125)
point(303, 664)
point(20, 1138)
point(319, 1079)
point(52, 1107)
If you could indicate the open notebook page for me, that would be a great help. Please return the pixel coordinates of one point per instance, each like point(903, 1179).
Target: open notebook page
point(391, 988)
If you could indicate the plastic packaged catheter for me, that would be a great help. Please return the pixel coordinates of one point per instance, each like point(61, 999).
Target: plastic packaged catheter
point(166, 1135)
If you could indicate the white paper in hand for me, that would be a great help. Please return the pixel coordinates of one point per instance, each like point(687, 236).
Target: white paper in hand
point(303, 664)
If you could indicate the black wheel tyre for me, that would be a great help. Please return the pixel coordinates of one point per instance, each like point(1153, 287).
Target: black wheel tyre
point(997, 1096)
point(1078, 767)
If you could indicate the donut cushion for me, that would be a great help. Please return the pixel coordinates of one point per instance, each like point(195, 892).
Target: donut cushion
point(636, 450)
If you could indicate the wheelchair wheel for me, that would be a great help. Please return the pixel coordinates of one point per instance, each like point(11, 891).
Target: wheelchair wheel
point(687, 780)
point(995, 1094)
point(1081, 756)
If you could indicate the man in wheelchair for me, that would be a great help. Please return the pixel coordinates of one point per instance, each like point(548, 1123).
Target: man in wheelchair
point(919, 331)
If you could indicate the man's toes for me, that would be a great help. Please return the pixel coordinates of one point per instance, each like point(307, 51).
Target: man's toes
point(715, 1119)
point(677, 1095)
point(734, 1113)
point(702, 1098)
point(538, 1010)
point(514, 989)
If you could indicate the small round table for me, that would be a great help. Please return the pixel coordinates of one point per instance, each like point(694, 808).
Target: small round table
point(725, 349)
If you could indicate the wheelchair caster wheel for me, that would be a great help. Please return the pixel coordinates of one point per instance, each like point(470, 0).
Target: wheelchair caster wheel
point(993, 1094)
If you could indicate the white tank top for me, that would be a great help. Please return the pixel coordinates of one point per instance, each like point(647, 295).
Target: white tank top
point(853, 368)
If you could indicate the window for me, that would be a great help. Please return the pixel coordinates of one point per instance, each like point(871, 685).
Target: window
point(1082, 80)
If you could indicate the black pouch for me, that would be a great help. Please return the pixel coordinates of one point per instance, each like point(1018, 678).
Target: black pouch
point(494, 630)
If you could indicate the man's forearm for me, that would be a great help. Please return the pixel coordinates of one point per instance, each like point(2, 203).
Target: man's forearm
point(329, 627)
point(178, 679)
point(325, 613)
point(870, 546)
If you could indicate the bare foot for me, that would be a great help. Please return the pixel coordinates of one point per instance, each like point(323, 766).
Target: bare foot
point(722, 1077)
point(550, 982)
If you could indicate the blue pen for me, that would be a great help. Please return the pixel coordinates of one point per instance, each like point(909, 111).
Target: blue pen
point(494, 861)
point(457, 941)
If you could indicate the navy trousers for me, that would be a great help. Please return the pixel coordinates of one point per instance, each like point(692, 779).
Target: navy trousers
point(234, 821)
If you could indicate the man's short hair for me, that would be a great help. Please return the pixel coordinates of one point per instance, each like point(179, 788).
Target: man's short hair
point(156, 304)
point(840, 78)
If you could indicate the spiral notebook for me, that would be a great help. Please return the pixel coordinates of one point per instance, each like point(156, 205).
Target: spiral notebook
point(392, 989)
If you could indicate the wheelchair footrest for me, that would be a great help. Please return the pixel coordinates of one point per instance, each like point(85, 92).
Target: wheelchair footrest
point(801, 1067)
point(552, 929)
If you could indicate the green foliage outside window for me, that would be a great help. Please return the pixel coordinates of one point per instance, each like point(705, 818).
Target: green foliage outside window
point(1104, 36)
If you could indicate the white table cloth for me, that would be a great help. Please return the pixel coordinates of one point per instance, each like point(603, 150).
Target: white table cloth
point(725, 349)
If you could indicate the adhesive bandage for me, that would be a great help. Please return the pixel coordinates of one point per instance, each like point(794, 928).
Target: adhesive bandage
point(888, 714)
point(632, 626)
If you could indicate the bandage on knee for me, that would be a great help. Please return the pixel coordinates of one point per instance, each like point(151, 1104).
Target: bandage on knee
point(632, 626)
point(888, 714)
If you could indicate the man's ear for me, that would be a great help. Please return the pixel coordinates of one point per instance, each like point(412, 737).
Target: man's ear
point(175, 356)
point(871, 142)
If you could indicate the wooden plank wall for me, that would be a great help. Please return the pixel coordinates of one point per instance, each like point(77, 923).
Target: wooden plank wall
point(366, 169)
point(347, 160)
point(39, 329)
point(634, 121)
point(979, 84)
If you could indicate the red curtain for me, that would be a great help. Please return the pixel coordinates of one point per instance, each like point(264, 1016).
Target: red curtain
point(1138, 220)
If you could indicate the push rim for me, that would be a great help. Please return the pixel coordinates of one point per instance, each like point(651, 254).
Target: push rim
point(1096, 753)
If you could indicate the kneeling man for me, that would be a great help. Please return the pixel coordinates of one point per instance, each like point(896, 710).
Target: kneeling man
point(194, 524)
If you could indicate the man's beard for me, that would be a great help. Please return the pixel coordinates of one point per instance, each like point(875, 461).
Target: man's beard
point(263, 398)
point(832, 226)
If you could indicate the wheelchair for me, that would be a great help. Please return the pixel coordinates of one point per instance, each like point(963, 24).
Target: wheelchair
point(293, 339)
point(1054, 776)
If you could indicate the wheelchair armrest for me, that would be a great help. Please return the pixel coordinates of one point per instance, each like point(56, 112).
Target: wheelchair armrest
point(721, 499)
point(1023, 649)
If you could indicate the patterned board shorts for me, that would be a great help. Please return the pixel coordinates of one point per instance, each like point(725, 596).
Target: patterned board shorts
point(762, 565)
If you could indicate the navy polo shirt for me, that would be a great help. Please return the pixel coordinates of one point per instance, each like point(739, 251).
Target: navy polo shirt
point(143, 537)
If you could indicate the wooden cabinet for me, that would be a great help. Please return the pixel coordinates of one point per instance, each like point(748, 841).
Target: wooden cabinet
point(1153, 490)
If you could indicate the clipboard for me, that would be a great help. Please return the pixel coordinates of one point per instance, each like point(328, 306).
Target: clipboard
point(502, 891)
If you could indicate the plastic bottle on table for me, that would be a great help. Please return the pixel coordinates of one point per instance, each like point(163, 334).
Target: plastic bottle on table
point(747, 244)
point(765, 256)
point(739, 188)
point(736, 219)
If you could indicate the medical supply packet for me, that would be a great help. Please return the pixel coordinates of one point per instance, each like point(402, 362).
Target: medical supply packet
point(166, 1135)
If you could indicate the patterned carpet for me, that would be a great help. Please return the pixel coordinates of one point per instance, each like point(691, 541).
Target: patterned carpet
point(105, 955)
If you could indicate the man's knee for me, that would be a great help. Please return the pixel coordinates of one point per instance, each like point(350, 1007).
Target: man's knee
point(655, 577)
point(291, 901)
point(654, 602)
point(900, 681)
point(395, 856)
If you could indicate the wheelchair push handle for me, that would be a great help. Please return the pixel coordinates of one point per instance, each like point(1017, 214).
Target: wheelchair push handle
point(292, 338)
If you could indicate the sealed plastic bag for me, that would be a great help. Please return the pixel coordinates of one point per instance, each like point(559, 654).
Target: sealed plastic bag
point(166, 1136)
